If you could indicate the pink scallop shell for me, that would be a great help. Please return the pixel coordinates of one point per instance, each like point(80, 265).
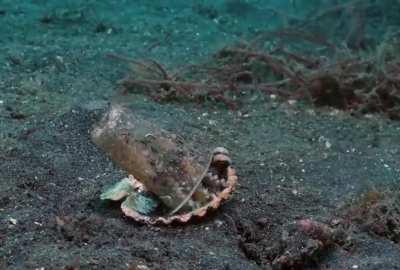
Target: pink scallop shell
point(197, 213)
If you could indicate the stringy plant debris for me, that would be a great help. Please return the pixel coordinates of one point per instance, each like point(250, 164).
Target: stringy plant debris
point(376, 212)
point(290, 246)
point(168, 182)
point(300, 61)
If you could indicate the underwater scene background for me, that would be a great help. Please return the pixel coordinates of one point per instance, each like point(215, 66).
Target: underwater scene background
point(304, 94)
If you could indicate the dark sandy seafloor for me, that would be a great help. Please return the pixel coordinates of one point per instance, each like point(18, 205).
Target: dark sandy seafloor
point(293, 161)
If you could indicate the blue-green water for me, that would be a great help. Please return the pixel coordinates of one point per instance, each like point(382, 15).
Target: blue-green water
point(304, 94)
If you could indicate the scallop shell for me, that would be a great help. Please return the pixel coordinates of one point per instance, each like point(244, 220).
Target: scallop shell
point(186, 182)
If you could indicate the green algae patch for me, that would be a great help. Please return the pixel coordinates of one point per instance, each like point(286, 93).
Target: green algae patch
point(118, 191)
point(133, 198)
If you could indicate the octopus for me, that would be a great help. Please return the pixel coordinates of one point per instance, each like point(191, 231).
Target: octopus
point(168, 181)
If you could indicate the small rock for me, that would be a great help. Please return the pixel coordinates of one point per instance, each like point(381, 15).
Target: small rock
point(13, 221)
point(262, 222)
point(142, 267)
point(219, 223)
